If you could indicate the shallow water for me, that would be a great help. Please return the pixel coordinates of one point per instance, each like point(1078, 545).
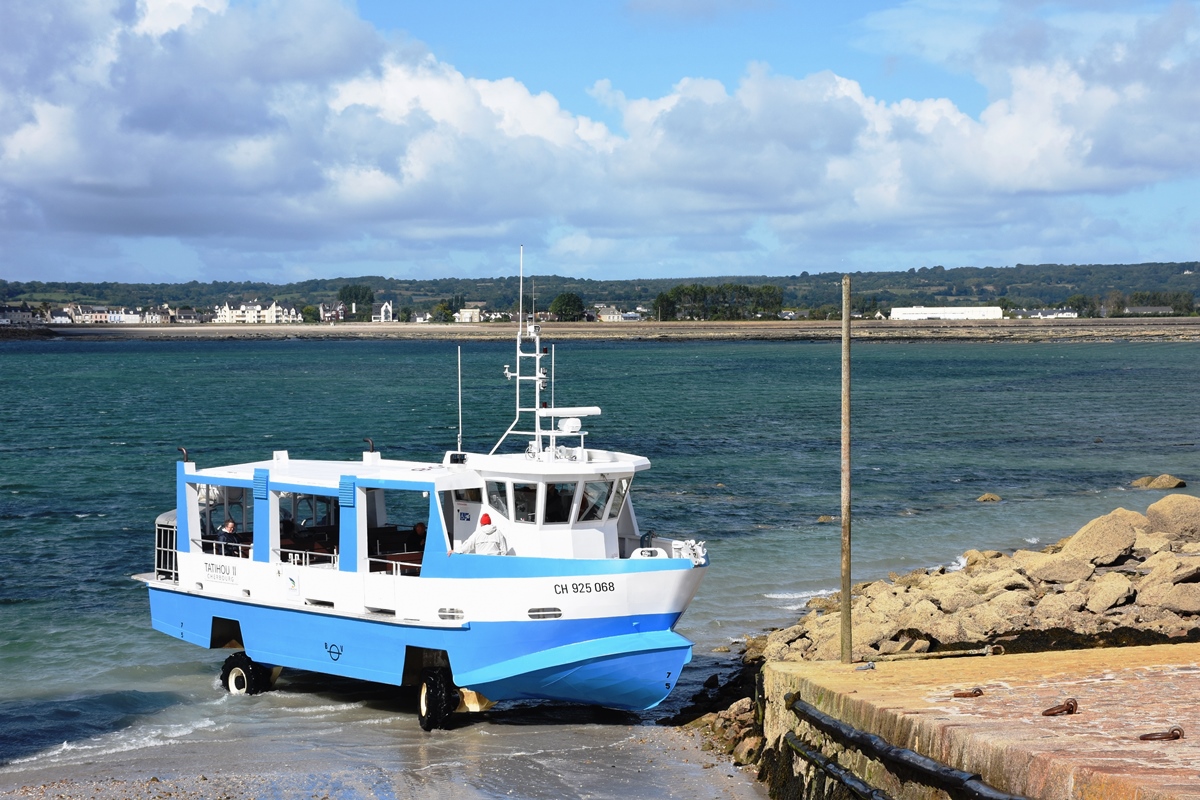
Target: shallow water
point(744, 443)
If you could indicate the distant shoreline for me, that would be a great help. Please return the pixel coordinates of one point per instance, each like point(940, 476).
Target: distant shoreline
point(1006, 330)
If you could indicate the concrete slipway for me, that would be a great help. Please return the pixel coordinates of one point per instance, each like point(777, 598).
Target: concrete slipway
point(1094, 754)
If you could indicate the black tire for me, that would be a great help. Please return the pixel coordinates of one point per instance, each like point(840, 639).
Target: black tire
point(436, 699)
point(240, 675)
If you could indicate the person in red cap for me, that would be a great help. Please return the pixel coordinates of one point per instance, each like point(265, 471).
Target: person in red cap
point(487, 540)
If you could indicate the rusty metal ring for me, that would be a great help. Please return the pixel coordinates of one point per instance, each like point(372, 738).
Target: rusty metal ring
point(1068, 706)
point(1176, 732)
point(976, 692)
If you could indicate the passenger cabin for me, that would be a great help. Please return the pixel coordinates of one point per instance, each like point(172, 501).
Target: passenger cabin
point(388, 517)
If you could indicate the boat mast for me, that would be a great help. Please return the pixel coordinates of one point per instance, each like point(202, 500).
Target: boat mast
point(535, 377)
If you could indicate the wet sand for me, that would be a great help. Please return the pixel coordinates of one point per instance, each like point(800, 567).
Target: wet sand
point(484, 761)
point(1083, 330)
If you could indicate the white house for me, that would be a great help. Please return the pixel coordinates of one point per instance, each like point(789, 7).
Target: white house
point(332, 312)
point(255, 313)
point(382, 312)
point(948, 312)
point(609, 314)
point(1046, 313)
point(467, 315)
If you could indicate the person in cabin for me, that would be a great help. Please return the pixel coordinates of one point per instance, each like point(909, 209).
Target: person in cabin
point(487, 540)
point(228, 539)
point(419, 536)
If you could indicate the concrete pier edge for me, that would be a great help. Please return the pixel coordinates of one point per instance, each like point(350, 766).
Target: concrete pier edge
point(1001, 735)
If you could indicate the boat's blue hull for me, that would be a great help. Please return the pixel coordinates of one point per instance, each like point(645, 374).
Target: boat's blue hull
point(626, 662)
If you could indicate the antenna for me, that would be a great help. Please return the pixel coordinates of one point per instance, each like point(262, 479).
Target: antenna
point(521, 296)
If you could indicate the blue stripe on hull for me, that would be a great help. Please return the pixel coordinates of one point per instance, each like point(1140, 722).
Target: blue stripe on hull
point(635, 671)
point(618, 662)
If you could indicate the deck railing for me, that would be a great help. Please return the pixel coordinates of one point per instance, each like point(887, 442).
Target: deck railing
point(166, 565)
point(308, 558)
point(231, 549)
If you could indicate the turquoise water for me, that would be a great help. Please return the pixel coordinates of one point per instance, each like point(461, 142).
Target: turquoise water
point(743, 438)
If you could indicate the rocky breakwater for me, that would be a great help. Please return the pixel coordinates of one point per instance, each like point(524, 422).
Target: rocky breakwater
point(1126, 578)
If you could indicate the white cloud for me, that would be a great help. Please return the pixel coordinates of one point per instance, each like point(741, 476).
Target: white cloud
point(296, 130)
point(157, 17)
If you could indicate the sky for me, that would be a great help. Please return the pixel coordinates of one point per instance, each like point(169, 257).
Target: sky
point(282, 140)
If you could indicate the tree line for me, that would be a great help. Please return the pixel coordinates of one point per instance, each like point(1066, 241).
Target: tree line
point(726, 301)
point(1019, 286)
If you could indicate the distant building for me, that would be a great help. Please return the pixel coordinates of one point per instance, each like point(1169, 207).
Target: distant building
point(89, 315)
point(1149, 311)
point(467, 315)
point(948, 312)
point(332, 312)
point(256, 313)
point(609, 314)
point(1045, 313)
point(15, 315)
point(382, 312)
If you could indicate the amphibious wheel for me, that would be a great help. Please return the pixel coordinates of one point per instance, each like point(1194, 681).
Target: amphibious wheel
point(436, 699)
point(240, 675)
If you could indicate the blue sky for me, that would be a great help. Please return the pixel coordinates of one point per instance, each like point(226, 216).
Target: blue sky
point(177, 140)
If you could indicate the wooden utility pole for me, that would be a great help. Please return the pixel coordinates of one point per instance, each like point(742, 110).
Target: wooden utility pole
point(847, 627)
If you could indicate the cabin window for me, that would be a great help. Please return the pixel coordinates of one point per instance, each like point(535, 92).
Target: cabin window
point(405, 508)
point(619, 497)
point(559, 497)
point(497, 493)
point(595, 498)
point(308, 510)
point(468, 495)
point(219, 503)
point(308, 529)
point(525, 502)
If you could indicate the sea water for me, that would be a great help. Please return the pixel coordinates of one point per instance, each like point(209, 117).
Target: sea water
point(744, 441)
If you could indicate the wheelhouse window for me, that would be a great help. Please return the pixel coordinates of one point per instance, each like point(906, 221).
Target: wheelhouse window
point(622, 491)
point(595, 498)
point(468, 495)
point(497, 494)
point(525, 502)
point(559, 497)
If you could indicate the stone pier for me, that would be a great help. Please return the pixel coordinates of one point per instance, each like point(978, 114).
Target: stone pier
point(1094, 754)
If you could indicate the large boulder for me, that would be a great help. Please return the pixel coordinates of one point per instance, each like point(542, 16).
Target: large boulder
point(1166, 482)
point(1177, 515)
point(1053, 609)
point(1106, 539)
point(1001, 580)
point(1147, 544)
point(1183, 598)
point(1107, 591)
point(955, 600)
point(889, 603)
point(1170, 569)
point(1059, 568)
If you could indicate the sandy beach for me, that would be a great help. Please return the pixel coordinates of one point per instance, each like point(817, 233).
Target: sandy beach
point(1006, 330)
point(475, 762)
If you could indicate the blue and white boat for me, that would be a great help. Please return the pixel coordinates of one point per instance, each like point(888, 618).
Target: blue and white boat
point(327, 569)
